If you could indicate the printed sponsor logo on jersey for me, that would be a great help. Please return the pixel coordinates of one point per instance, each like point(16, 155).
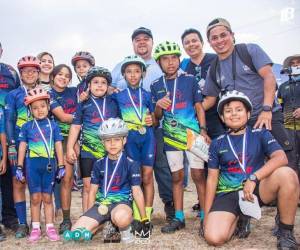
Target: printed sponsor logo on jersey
point(136, 175)
point(223, 151)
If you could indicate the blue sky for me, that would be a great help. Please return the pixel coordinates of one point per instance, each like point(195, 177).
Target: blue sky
point(104, 27)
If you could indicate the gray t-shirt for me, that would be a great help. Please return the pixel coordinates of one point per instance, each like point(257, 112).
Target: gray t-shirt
point(247, 81)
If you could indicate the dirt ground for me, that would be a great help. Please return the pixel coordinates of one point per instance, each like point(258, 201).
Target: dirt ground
point(260, 238)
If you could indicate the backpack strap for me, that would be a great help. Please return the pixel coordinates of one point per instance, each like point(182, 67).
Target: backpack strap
point(213, 71)
point(244, 55)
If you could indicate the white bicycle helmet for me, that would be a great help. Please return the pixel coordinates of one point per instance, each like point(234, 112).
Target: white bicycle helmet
point(134, 59)
point(113, 127)
point(233, 95)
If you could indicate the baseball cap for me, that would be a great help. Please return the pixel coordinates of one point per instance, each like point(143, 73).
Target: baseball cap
point(141, 30)
point(217, 22)
point(288, 60)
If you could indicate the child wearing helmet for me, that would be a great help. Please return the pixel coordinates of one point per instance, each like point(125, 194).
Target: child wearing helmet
point(177, 99)
point(40, 141)
point(63, 102)
point(115, 180)
point(88, 118)
point(82, 61)
point(237, 163)
point(16, 114)
point(137, 111)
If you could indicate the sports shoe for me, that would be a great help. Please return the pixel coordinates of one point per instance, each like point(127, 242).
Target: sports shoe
point(173, 226)
point(111, 233)
point(286, 240)
point(65, 225)
point(22, 231)
point(127, 236)
point(169, 210)
point(196, 207)
point(35, 235)
point(242, 230)
point(52, 234)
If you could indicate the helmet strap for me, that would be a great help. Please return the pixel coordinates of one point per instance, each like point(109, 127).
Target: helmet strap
point(237, 129)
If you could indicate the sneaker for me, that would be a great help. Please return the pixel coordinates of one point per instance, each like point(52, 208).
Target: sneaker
point(173, 226)
point(22, 231)
point(196, 207)
point(52, 234)
point(111, 233)
point(11, 223)
point(169, 210)
point(286, 240)
point(35, 235)
point(275, 230)
point(127, 236)
point(65, 225)
point(242, 230)
point(2, 234)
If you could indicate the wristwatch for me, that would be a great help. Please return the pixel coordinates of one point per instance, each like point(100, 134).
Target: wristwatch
point(267, 108)
point(253, 177)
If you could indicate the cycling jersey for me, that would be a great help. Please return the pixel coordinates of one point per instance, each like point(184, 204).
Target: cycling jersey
point(2, 127)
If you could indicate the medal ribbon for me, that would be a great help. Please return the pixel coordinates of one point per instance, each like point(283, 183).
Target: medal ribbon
point(174, 93)
point(107, 186)
point(102, 114)
point(243, 163)
point(47, 146)
point(138, 112)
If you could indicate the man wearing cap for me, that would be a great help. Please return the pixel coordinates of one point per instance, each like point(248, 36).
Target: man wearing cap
point(289, 98)
point(9, 80)
point(258, 83)
point(142, 42)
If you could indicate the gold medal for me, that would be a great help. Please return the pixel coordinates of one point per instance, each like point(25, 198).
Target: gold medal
point(102, 209)
point(142, 130)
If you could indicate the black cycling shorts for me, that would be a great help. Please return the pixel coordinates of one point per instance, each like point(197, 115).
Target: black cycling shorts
point(86, 166)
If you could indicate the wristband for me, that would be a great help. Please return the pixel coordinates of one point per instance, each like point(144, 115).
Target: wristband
point(203, 127)
point(61, 166)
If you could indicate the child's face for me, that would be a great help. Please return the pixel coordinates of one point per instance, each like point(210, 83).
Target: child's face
point(98, 86)
point(46, 64)
point(39, 109)
point(114, 145)
point(62, 79)
point(235, 114)
point(82, 67)
point(133, 74)
point(29, 75)
point(169, 64)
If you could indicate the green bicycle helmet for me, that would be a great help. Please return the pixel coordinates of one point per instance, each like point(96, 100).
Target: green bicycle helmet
point(134, 59)
point(166, 48)
point(98, 71)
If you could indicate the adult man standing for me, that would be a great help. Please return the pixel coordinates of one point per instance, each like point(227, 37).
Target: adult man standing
point(9, 80)
point(142, 42)
point(248, 69)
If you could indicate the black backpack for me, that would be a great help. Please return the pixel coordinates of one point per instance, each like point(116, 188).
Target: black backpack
point(242, 51)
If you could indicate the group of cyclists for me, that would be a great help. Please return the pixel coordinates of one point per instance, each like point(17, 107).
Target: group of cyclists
point(121, 127)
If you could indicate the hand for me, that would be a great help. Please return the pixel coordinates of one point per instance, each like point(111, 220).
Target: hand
point(248, 190)
point(2, 167)
point(20, 174)
point(148, 119)
point(112, 90)
point(84, 95)
point(71, 156)
point(206, 137)
point(12, 155)
point(164, 102)
point(296, 113)
point(264, 119)
point(60, 173)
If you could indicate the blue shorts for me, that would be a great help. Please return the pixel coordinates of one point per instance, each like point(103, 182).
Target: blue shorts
point(39, 179)
point(141, 147)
